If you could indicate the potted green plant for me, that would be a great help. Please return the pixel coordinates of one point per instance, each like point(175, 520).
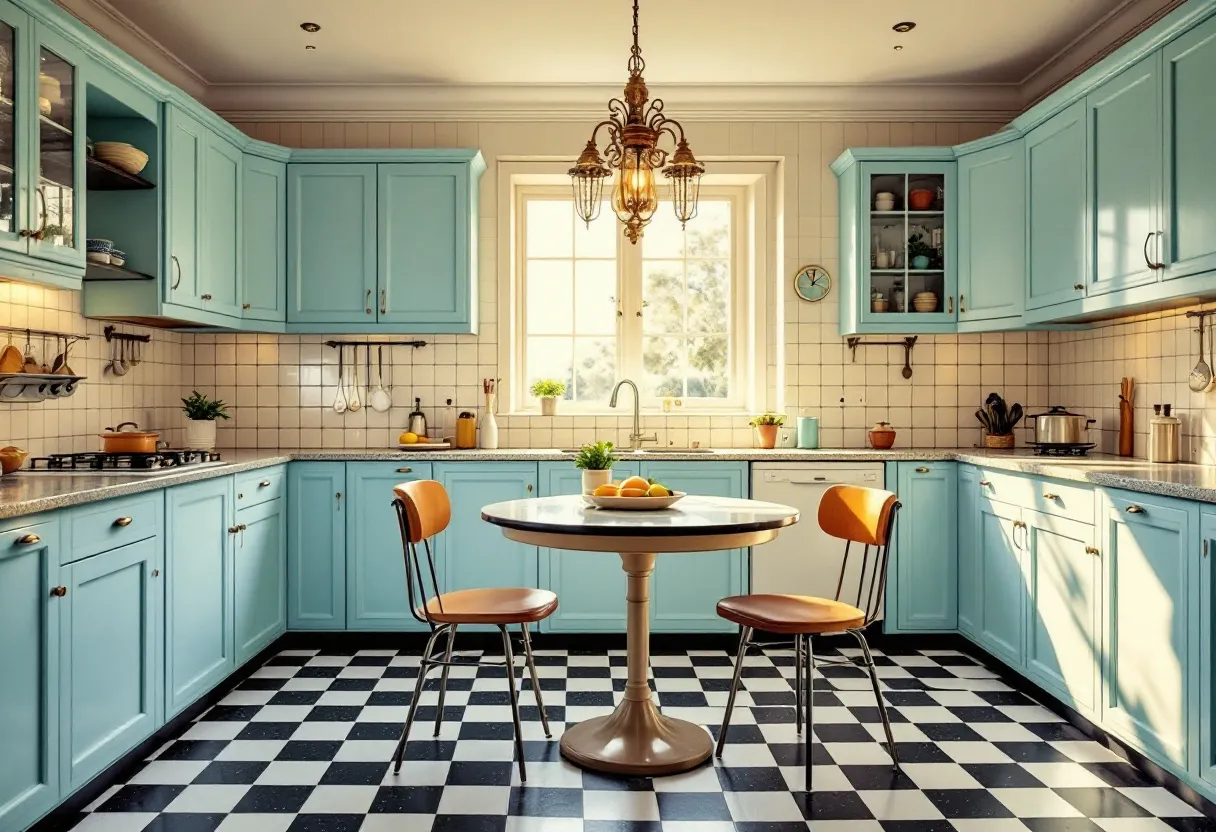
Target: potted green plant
point(998, 421)
point(548, 390)
point(595, 461)
point(920, 253)
point(201, 413)
point(766, 426)
point(55, 234)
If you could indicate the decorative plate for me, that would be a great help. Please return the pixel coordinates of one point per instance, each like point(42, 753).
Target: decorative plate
point(634, 503)
point(812, 283)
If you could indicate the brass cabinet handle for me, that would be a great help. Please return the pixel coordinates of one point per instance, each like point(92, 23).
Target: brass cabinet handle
point(123, 522)
point(338, 501)
point(206, 297)
point(1091, 550)
point(922, 470)
point(1078, 287)
point(383, 301)
point(264, 484)
point(233, 529)
point(28, 540)
point(177, 268)
point(950, 305)
point(1205, 548)
point(1147, 261)
point(962, 302)
point(246, 305)
point(241, 527)
point(59, 591)
point(1134, 509)
point(1019, 524)
point(405, 470)
point(529, 488)
point(155, 573)
point(1051, 496)
point(368, 310)
point(984, 483)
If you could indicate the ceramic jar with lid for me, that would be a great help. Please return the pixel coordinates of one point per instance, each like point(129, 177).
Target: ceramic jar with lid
point(882, 436)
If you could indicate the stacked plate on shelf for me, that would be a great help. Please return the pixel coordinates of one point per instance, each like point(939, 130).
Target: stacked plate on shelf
point(924, 302)
point(121, 155)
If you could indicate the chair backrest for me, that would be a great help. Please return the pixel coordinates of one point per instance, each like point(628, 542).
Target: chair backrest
point(856, 514)
point(423, 511)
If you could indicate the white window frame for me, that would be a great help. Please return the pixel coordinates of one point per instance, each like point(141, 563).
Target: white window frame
point(753, 247)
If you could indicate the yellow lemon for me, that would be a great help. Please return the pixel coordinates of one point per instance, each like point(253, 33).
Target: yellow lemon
point(608, 490)
point(657, 490)
point(407, 438)
point(633, 492)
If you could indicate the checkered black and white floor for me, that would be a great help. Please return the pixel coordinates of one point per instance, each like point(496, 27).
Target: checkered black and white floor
point(305, 743)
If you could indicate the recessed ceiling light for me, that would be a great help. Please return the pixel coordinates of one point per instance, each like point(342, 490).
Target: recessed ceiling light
point(310, 27)
point(905, 26)
point(309, 46)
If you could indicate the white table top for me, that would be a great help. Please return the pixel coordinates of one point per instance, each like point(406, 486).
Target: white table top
point(691, 516)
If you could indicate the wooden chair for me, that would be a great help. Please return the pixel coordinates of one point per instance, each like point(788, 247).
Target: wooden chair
point(854, 514)
point(423, 510)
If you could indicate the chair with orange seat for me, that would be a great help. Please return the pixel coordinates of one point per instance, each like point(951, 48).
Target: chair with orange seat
point(423, 511)
point(864, 516)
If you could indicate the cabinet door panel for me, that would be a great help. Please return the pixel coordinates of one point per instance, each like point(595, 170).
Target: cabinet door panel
point(1125, 169)
point(331, 243)
point(1063, 632)
point(111, 624)
point(198, 590)
point(1189, 216)
point(316, 546)
point(221, 255)
point(264, 239)
point(992, 233)
point(1057, 229)
point(29, 685)
point(1203, 712)
point(185, 148)
point(926, 553)
point(970, 610)
point(1002, 584)
point(591, 585)
point(260, 578)
point(376, 594)
point(424, 243)
point(686, 587)
point(14, 138)
point(1146, 633)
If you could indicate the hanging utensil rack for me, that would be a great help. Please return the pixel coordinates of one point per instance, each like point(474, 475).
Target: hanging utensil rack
point(112, 334)
point(36, 387)
point(339, 344)
point(854, 341)
point(43, 333)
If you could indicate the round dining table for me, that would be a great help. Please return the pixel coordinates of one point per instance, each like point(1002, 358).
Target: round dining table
point(636, 738)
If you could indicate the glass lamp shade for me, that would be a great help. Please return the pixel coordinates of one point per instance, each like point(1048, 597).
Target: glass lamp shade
point(587, 181)
point(635, 195)
point(684, 172)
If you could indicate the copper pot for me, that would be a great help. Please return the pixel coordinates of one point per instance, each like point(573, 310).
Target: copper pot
point(882, 436)
point(134, 441)
point(920, 199)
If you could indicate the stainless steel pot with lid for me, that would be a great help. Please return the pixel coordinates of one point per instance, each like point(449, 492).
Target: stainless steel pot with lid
point(1059, 427)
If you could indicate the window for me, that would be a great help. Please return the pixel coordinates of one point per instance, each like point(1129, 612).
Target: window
point(670, 313)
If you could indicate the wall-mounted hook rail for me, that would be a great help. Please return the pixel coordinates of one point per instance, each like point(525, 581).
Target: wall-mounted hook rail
point(44, 333)
point(414, 344)
point(854, 341)
point(113, 334)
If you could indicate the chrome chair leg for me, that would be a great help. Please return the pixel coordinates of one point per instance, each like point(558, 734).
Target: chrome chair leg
point(510, 668)
point(809, 733)
point(443, 680)
point(744, 637)
point(798, 683)
point(882, 705)
point(423, 667)
point(540, 704)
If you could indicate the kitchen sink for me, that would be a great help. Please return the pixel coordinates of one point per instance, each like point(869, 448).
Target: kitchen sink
point(652, 451)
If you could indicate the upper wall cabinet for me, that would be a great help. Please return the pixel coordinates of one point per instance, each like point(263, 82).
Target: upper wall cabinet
point(264, 239)
point(380, 247)
point(1055, 210)
point(992, 233)
point(897, 245)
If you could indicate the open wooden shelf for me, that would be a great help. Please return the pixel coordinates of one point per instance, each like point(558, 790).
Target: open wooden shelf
point(104, 271)
point(102, 176)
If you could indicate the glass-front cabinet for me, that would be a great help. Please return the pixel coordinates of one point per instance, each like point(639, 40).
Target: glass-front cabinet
point(897, 238)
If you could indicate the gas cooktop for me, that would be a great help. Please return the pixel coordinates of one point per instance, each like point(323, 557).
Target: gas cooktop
point(94, 463)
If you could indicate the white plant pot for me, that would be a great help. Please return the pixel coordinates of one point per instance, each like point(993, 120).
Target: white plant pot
point(200, 435)
point(548, 406)
point(593, 479)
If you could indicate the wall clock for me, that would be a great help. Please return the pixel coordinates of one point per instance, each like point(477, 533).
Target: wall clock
point(812, 283)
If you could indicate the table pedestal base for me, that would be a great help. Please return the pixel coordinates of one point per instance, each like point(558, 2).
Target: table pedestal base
point(637, 739)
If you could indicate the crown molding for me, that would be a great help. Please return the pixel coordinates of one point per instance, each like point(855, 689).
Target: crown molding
point(568, 102)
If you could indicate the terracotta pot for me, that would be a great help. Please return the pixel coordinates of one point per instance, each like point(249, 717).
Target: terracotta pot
point(594, 478)
point(920, 200)
point(768, 435)
point(135, 441)
point(882, 436)
point(1005, 441)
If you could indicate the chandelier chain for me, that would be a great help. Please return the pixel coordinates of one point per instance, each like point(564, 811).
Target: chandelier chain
point(636, 64)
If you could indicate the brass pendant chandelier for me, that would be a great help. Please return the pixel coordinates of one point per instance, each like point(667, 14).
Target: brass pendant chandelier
point(634, 128)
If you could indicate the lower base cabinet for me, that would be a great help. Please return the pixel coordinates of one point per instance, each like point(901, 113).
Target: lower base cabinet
point(110, 686)
point(259, 583)
point(1203, 713)
point(925, 555)
point(1002, 587)
point(199, 537)
point(969, 608)
point(316, 546)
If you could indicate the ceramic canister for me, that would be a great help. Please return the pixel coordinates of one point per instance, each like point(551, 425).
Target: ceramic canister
point(808, 432)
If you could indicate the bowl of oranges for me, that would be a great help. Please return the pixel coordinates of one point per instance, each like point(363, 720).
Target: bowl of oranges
point(633, 494)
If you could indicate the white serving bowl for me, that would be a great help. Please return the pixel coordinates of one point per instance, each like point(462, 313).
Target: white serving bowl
point(634, 503)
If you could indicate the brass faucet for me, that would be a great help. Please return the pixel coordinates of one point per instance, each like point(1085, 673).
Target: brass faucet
point(636, 438)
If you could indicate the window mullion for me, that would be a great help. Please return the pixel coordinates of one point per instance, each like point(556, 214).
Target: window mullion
point(630, 260)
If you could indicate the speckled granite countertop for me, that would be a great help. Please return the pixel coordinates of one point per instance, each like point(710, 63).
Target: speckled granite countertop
point(31, 494)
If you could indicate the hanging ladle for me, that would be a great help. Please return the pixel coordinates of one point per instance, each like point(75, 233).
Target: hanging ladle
point(1201, 375)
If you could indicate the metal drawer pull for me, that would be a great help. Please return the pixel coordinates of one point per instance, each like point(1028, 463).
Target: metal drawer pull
point(1205, 548)
point(1078, 287)
point(922, 470)
point(241, 527)
point(264, 484)
point(59, 591)
point(233, 529)
point(529, 488)
point(206, 297)
point(1134, 509)
point(29, 540)
point(985, 483)
point(1051, 496)
point(1091, 550)
point(155, 573)
point(122, 522)
point(405, 470)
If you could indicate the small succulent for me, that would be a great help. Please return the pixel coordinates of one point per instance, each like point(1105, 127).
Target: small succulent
point(768, 419)
point(199, 408)
point(597, 456)
point(997, 419)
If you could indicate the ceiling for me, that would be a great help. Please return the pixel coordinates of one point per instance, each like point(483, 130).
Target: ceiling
point(704, 42)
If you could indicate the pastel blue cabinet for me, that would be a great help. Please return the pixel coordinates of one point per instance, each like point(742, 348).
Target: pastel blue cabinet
point(199, 650)
point(15, 29)
point(1149, 545)
point(472, 553)
point(185, 152)
point(992, 233)
point(1124, 132)
point(259, 563)
point(376, 596)
point(925, 557)
point(331, 243)
point(687, 586)
point(111, 658)
point(316, 546)
point(263, 239)
point(1203, 710)
point(425, 268)
point(1064, 616)
point(29, 685)
point(590, 585)
point(1002, 584)
point(1056, 216)
point(1189, 213)
point(970, 612)
point(222, 257)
